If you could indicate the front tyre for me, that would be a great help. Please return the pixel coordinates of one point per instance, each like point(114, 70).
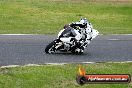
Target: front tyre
point(51, 47)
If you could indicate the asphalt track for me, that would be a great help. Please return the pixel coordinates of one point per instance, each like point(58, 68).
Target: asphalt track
point(29, 49)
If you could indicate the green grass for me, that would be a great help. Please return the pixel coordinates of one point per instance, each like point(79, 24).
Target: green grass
point(49, 16)
point(60, 76)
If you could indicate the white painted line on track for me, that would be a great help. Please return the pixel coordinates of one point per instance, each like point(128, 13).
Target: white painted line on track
point(44, 34)
point(19, 34)
point(128, 61)
point(115, 34)
point(56, 63)
point(11, 66)
point(119, 34)
point(114, 39)
point(88, 62)
point(32, 65)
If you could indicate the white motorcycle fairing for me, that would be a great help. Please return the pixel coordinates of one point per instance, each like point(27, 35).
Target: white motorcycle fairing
point(95, 33)
point(64, 42)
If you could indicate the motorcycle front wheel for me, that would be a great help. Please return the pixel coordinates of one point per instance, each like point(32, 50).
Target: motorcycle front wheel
point(50, 48)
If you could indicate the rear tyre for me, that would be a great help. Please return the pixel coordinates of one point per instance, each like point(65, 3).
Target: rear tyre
point(76, 52)
point(51, 47)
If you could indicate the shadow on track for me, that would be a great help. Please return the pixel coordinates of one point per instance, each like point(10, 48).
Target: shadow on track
point(68, 53)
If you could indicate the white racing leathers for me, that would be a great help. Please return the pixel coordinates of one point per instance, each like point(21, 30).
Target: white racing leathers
point(84, 36)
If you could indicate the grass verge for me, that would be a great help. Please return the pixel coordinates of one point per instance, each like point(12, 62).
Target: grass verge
point(49, 16)
point(60, 76)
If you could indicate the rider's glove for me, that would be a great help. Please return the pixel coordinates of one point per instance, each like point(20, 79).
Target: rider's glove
point(73, 25)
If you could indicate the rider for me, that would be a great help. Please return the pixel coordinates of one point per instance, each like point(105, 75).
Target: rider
point(82, 31)
point(84, 27)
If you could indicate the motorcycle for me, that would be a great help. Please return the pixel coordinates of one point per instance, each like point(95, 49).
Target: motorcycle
point(63, 45)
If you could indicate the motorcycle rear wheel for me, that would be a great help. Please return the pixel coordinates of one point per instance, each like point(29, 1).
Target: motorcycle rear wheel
point(75, 52)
